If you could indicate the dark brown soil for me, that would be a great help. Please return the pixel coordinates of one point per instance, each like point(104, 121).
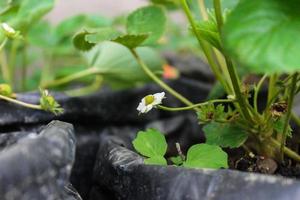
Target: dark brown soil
point(240, 160)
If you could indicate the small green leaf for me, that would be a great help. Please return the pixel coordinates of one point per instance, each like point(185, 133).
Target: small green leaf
point(147, 20)
point(278, 126)
point(30, 11)
point(80, 41)
point(261, 35)
point(156, 160)
point(206, 156)
point(208, 31)
point(131, 41)
point(150, 143)
point(176, 160)
point(102, 34)
point(224, 134)
point(48, 103)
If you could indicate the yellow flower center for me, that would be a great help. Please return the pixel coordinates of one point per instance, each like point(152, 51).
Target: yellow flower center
point(149, 99)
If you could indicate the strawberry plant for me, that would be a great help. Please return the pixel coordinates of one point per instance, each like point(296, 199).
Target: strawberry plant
point(254, 37)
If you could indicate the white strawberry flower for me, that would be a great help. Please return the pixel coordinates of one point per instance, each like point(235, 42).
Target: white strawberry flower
point(150, 101)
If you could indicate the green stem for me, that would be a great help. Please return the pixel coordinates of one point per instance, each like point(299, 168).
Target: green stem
point(4, 65)
point(88, 89)
point(27, 105)
point(256, 91)
point(218, 13)
point(296, 118)
point(290, 153)
point(236, 87)
point(195, 105)
point(12, 61)
point(272, 87)
point(289, 113)
point(24, 68)
point(205, 47)
point(160, 82)
point(3, 44)
point(202, 9)
point(70, 78)
point(232, 73)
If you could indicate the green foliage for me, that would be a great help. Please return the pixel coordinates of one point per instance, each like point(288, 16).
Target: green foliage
point(177, 160)
point(152, 144)
point(118, 66)
point(224, 134)
point(171, 4)
point(261, 35)
point(156, 160)
point(210, 112)
point(278, 126)
point(131, 41)
point(30, 11)
point(147, 20)
point(206, 156)
point(144, 26)
point(102, 34)
point(208, 30)
point(48, 103)
point(81, 43)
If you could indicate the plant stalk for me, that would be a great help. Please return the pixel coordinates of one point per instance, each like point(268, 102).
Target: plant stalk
point(72, 77)
point(205, 47)
point(160, 82)
point(195, 105)
point(88, 89)
point(28, 105)
point(288, 114)
point(232, 73)
point(202, 9)
point(290, 153)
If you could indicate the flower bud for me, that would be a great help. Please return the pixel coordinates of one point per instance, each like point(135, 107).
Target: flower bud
point(6, 90)
point(9, 31)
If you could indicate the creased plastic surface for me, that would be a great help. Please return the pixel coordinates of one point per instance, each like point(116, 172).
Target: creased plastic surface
point(38, 166)
point(122, 171)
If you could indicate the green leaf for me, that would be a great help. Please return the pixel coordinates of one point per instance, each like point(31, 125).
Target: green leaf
point(76, 23)
point(170, 4)
point(206, 156)
point(118, 66)
point(31, 11)
point(208, 30)
point(278, 126)
point(224, 134)
point(41, 35)
point(107, 34)
point(102, 34)
point(147, 20)
point(176, 160)
point(157, 160)
point(80, 41)
point(217, 91)
point(150, 143)
point(261, 35)
point(131, 41)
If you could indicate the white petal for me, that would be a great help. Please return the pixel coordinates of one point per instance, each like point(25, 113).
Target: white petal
point(158, 97)
point(141, 106)
point(148, 108)
point(8, 28)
